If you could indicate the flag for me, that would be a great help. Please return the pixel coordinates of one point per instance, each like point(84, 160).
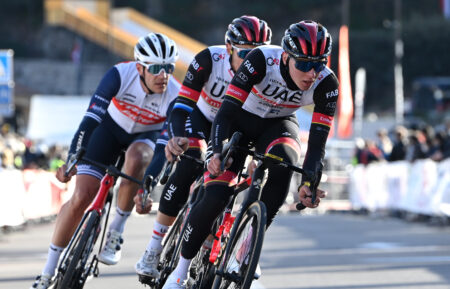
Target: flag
point(345, 100)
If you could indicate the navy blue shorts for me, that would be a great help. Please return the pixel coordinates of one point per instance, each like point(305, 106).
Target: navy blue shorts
point(106, 143)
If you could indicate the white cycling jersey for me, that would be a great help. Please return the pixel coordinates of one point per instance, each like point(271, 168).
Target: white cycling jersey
point(271, 97)
point(133, 109)
point(214, 89)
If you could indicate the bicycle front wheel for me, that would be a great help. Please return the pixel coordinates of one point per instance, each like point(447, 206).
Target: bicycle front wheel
point(171, 249)
point(241, 256)
point(75, 264)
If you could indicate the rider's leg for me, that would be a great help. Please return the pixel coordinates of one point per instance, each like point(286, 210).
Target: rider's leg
point(173, 197)
point(137, 158)
point(275, 142)
point(86, 188)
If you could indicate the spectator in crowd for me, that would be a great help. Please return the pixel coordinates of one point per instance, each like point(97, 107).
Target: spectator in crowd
point(398, 152)
point(367, 152)
point(384, 143)
point(417, 148)
point(436, 149)
point(428, 133)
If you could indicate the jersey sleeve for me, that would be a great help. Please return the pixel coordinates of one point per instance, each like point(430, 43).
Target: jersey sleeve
point(325, 99)
point(196, 76)
point(251, 72)
point(159, 156)
point(98, 105)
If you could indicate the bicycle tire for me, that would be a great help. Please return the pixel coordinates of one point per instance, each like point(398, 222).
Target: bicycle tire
point(255, 218)
point(80, 253)
point(170, 252)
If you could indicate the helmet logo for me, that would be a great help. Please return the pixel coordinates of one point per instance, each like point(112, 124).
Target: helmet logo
point(235, 31)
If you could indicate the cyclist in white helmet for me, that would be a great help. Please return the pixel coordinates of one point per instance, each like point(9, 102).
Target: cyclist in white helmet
point(109, 127)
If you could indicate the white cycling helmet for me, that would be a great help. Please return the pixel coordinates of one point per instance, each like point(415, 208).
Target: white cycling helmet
point(156, 48)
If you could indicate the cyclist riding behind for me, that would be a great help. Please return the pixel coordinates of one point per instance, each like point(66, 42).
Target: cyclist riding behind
point(190, 122)
point(127, 111)
point(261, 100)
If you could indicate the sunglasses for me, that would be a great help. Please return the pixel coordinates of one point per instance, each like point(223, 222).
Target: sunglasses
point(155, 69)
point(241, 52)
point(307, 65)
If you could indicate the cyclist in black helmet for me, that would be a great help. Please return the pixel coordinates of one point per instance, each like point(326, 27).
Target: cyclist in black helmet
point(261, 100)
point(190, 121)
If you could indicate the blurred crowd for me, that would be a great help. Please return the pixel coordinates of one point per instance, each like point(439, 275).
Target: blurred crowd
point(400, 143)
point(405, 143)
point(22, 153)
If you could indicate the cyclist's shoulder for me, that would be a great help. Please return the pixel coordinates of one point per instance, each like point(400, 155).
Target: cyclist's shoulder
point(327, 80)
point(268, 50)
point(173, 84)
point(126, 69)
point(217, 49)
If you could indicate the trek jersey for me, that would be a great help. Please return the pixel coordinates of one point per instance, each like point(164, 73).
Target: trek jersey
point(263, 86)
point(120, 95)
point(204, 86)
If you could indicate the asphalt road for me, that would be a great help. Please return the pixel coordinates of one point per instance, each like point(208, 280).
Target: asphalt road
point(332, 251)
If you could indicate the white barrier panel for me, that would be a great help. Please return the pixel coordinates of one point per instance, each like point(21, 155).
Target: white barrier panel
point(30, 194)
point(422, 187)
point(12, 198)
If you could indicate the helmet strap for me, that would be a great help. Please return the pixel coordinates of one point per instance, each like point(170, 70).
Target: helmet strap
point(284, 70)
point(145, 83)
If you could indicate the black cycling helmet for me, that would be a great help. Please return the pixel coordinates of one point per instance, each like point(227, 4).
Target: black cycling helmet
point(248, 30)
point(307, 39)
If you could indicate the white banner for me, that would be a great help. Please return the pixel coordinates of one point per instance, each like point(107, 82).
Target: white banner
point(422, 187)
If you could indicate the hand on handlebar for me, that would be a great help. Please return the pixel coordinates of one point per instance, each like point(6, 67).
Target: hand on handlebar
point(305, 196)
point(60, 174)
point(214, 164)
point(138, 201)
point(175, 147)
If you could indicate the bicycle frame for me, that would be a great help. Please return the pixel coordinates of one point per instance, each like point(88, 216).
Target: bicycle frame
point(106, 184)
point(92, 223)
point(249, 204)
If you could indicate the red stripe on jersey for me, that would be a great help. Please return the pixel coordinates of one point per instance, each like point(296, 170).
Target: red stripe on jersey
point(189, 93)
point(227, 178)
point(197, 143)
point(274, 102)
point(287, 141)
point(138, 114)
point(237, 93)
point(210, 100)
point(322, 119)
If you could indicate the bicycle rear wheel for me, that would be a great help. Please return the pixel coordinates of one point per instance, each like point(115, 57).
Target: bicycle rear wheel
point(238, 263)
point(74, 267)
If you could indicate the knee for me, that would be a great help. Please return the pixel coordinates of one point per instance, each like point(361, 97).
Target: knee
point(81, 199)
point(138, 156)
point(217, 197)
point(286, 148)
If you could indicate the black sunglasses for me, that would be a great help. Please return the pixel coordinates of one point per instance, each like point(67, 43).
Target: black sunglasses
point(306, 65)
